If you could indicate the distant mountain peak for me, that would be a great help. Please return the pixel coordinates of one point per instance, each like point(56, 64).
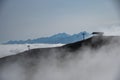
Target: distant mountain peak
point(63, 38)
point(61, 35)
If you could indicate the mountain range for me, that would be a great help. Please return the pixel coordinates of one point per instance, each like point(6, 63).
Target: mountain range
point(62, 38)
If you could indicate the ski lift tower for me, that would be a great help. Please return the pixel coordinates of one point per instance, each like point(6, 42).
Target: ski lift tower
point(83, 34)
point(28, 47)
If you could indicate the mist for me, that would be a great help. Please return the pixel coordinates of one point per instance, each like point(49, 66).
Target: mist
point(84, 64)
point(89, 65)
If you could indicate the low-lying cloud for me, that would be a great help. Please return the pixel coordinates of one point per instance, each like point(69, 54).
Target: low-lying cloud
point(88, 64)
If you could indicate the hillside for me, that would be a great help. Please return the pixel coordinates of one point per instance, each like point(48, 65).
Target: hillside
point(94, 42)
point(59, 59)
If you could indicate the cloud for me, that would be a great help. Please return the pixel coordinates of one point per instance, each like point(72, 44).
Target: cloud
point(112, 30)
point(86, 64)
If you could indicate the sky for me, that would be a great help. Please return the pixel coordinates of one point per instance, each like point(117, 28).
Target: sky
point(29, 19)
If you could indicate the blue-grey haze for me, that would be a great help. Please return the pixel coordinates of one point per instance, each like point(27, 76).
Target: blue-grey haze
point(28, 19)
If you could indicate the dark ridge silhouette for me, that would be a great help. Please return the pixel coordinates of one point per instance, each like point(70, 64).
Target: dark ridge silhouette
point(94, 42)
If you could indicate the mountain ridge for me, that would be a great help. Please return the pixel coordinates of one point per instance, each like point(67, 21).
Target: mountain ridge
point(63, 38)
